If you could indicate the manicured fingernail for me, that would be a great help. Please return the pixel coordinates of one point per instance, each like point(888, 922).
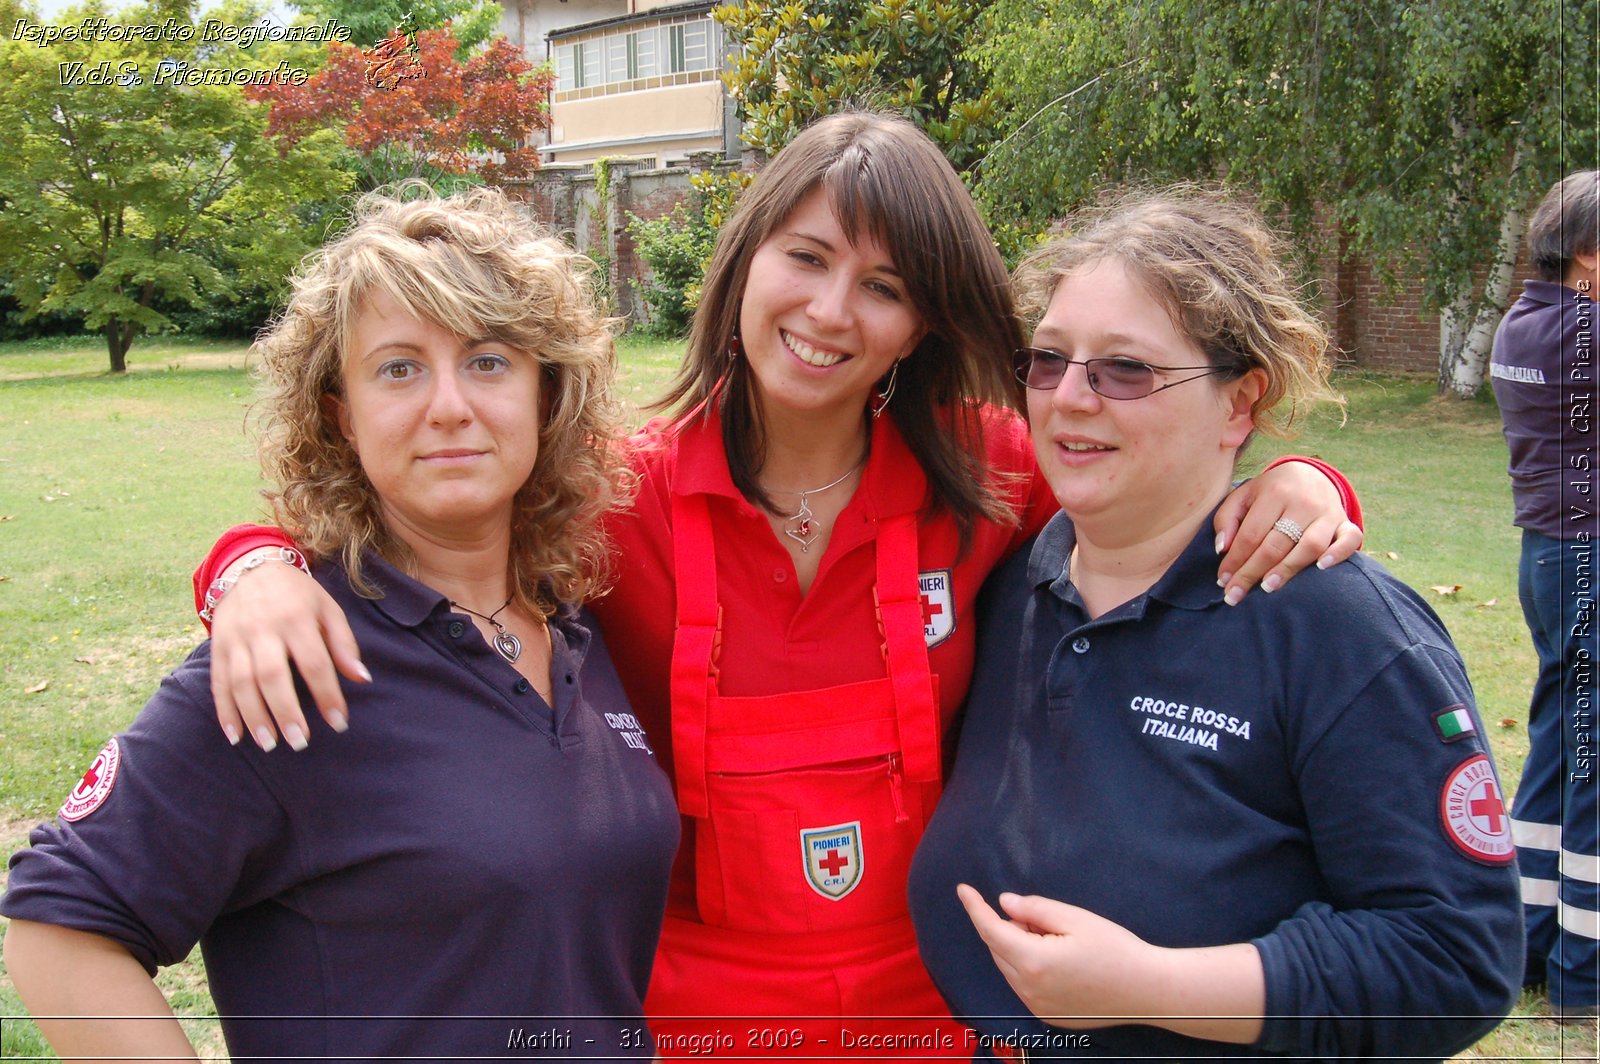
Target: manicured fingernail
point(264, 738)
point(1222, 541)
point(338, 721)
point(362, 669)
point(1233, 596)
point(232, 733)
point(1272, 583)
point(295, 737)
point(1222, 581)
point(1325, 562)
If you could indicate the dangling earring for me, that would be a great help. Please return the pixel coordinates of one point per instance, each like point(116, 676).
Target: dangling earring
point(735, 348)
point(881, 402)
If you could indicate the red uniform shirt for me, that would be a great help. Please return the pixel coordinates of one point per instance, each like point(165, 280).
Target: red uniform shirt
point(774, 639)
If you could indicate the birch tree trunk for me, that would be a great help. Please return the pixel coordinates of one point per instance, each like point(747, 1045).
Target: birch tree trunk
point(1467, 323)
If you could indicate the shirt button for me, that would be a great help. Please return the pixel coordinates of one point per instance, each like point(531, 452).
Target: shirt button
point(780, 575)
point(521, 687)
point(457, 629)
point(1081, 644)
point(571, 678)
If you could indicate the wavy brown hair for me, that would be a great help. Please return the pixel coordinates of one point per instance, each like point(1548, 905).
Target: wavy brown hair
point(1217, 268)
point(476, 265)
point(885, 180)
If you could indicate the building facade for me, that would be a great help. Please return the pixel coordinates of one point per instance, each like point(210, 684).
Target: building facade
point(636, 79)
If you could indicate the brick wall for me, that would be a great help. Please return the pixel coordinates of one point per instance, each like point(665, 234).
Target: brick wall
point(1385, 329)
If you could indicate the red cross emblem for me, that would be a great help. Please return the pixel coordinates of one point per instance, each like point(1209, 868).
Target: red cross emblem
point(1489, 807)
point(1474, 814)
point(832, 858)
point(95, 787)
point(938, 605)
point(90, 778)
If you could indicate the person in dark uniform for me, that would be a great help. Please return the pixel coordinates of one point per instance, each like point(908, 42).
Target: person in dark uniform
point(1543, 370)
point(1269, 830)
point(478, 865)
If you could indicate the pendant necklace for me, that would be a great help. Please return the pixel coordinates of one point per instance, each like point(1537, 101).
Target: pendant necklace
point(802, 525)
point(505, 644)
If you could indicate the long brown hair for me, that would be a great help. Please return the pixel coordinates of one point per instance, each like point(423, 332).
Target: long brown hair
point(886, 180)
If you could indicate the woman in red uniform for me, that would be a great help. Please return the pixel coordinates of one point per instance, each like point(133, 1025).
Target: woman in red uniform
point(792, 614)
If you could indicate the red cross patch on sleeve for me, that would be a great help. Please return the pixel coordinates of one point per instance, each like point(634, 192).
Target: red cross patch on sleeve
point(95, 787)
point(1473, 809)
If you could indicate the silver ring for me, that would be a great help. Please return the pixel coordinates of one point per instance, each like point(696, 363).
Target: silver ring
point(1289, 528)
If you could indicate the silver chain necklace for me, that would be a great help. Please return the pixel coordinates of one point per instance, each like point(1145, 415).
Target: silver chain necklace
point(802, 526)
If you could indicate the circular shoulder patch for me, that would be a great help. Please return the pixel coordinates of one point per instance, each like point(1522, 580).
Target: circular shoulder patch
point(1474, 812)
point(95, 787)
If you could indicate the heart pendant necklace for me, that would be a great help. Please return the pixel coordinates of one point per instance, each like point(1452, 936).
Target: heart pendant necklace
point(505, 644)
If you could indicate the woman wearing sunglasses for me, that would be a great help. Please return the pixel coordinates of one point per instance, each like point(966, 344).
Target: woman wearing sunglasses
point(1266, 831)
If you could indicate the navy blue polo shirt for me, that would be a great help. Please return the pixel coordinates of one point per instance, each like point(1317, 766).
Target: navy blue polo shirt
point(466, 872)
point(1297, 771)
point(1543, 370)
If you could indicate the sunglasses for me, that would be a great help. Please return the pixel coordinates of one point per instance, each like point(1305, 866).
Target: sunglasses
point(1113, 378)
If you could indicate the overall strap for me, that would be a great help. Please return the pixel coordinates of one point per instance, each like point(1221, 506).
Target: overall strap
point(693, 647)
point(899, 601)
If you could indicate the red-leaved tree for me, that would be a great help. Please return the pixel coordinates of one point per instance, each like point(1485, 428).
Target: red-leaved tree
point(429, 111)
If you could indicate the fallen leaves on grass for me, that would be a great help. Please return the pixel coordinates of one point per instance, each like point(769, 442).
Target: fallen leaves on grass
point(1445, 590)
point(38, 687)
point(1509, 722)
point(84, 661)
point(1487, 605)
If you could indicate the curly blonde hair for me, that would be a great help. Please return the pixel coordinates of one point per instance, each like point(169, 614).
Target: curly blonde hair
point(1218, 269)
point(474, 264)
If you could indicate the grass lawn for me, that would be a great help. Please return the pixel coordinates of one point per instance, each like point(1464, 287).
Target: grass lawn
point(111, 489)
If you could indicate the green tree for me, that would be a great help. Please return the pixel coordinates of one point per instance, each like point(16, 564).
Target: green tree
point(370, 21)
point(126, 187)
point(677, 247)
point(1420, 131)
point(800, 61)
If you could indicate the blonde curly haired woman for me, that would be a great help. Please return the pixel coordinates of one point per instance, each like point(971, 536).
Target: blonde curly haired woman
point(494, 840)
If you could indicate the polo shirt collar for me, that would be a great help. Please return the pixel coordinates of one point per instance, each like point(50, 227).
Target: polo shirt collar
point(893, 482)
point(702, 466)
point(1550, 293)
point(410, 603)
point(1189, 583)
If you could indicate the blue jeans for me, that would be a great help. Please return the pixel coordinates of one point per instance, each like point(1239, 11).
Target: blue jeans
point(1556, 817)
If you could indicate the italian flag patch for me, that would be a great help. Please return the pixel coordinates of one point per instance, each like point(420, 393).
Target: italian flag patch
point(1453, 723)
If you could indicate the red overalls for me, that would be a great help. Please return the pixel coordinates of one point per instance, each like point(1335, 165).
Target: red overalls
point(807, 807)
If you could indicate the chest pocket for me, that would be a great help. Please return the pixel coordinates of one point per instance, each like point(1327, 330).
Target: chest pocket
point(807, 805)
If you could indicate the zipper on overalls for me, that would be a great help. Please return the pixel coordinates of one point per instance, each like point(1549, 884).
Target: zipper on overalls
point(897, 789)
